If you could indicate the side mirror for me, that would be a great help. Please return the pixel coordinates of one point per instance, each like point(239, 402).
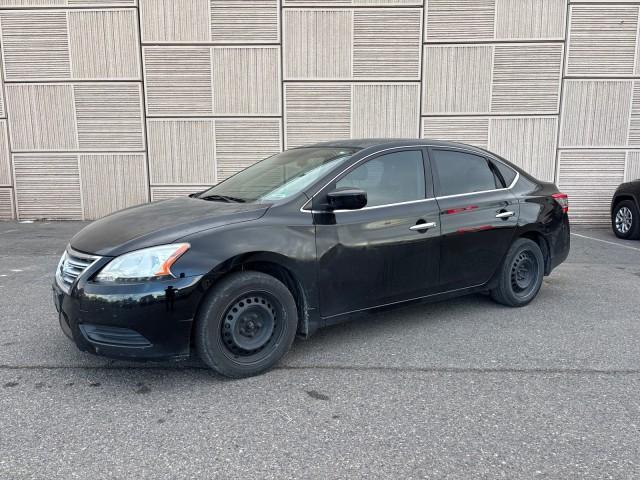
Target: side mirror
point(347, 199)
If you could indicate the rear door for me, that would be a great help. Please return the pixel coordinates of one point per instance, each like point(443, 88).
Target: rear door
point(389, 250)
point(478, 216)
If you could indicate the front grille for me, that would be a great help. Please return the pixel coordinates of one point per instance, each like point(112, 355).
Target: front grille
point(71, 266)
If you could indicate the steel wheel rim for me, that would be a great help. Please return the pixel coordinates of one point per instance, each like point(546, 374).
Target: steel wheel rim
point(624, 220)
point(251, 324)
point(524, 273)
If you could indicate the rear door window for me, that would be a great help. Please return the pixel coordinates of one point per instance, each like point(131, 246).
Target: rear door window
point(461, 172)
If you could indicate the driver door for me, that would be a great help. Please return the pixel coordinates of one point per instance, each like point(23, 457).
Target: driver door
point(379, 254)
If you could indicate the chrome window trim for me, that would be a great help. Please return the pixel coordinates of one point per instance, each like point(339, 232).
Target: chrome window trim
point(417, 147)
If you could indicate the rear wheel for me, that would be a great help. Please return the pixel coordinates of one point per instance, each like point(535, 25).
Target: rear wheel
point(625, 220)
point(520, 275)
point(246, 324)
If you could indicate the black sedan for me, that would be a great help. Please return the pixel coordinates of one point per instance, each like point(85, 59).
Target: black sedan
point(625, 210)
point(305, 239)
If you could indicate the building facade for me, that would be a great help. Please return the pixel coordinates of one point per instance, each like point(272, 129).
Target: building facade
point(110, 103)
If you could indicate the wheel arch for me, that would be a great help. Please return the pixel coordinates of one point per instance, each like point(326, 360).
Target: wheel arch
point(278, 266)
point(621, 198)
point(543, 243)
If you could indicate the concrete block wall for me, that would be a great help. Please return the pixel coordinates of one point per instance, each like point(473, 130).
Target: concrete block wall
point(110, 103)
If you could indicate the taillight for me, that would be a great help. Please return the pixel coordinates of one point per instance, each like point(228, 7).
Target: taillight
point(563, 200)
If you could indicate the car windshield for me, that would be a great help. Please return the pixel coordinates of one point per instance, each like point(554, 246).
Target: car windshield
point(278, 177)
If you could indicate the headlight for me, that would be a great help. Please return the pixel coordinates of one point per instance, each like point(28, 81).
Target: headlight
point(145, 264)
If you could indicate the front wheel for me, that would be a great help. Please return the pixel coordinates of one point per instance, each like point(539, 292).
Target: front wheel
point(520, 275)
point(625, 220)
point(246, 324)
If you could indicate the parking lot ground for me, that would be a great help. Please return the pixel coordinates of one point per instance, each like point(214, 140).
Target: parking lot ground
point(459, 389)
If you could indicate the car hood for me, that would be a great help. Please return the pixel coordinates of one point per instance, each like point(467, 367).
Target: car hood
point(159, 223)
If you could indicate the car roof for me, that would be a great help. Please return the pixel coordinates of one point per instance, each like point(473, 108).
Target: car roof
point(362, 143)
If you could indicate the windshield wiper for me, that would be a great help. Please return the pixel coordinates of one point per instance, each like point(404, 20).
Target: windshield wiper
point(223, 198)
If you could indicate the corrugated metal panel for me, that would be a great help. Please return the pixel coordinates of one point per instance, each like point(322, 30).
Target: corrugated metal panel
point(5, 163)
point(42, 117)
point(526, 78)
point(316, 111)
point(530, 19)
point(634, 122)
point(242, 142)
point(358, 3)
point(471, 130)
point(7, 211)
point(385, 110)
point(595, 113)
point(113, 37)
point(529, 142)
point(590, 178)
point(182, 151)
point(165, 193)
point(63, 3)
point(35, 45)
point(602, 40)
point(112, 182)
point(449, 20)
point(175, 20)
point(109, 116)
point(101, 3)
point(47, 186)
point(178, 81)
point(317, 44)
point(632, 166)
point(457, 79)
point(246, 80)
point(240, 21)
point(386, 44)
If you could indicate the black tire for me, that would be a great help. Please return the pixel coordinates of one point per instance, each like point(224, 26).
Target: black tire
point(625, 220)
point(521, 273)
point(246, 324)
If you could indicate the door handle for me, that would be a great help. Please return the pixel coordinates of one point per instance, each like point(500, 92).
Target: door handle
point(505, 215)
point(423, 226)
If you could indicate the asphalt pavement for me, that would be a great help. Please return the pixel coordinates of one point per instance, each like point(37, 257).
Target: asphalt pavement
point(459, 389)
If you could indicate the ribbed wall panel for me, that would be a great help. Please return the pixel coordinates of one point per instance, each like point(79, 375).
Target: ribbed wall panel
point(182, 151)
point(385, 111)
point(526, 78)
point(317, 44)
point(47, 186)
point(113, 39)
point(42, 117)
point(358, 3)
point(101, 3)
point(35, 45)
point(602, 40)
point(242, 142)
point(386, 44)
point(178, 81)
point(590, 178)
point(449, 20)
point(632, 167)
point(634, 122)
point(595, 113)
point(471, 130)
point(528, 142)
point(246, 81)
point(530, 19)
point(5, 161)
point(112, 182)
point(165, 193)
point(7, 210)
point(242, 21)
point(457, 79)
point(316, 112)
point(175, 20)
point(109, 116)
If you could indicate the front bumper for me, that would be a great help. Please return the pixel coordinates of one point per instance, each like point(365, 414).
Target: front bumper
point(145, 321)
